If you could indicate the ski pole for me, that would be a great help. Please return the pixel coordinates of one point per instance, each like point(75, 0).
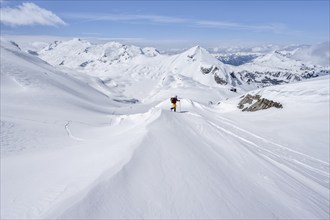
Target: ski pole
point(180, 105)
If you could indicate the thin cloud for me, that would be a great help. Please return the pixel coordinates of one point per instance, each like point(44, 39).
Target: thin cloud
point(156, 19)
point(29, 14)
point(275, 28)
point(217, 24)
point(126, 17)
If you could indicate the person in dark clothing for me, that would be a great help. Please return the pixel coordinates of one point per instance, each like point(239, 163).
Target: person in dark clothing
point(173, 101)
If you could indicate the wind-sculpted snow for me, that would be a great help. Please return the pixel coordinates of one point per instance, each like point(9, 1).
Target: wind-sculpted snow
point(75, 146)
point(198, 164)
point(160, 164)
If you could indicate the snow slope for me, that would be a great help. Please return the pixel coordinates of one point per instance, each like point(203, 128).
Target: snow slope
point(73, 147)
point(201, 164)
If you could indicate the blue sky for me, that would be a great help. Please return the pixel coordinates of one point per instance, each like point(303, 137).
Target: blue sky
point(209, 23)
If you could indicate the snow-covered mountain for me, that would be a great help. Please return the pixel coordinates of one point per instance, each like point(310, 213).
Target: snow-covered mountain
point(317, 54)
point(81, 53)
point(116, 62)
point(96, 142)
point(275, 68)
point(106, 60)
point(201, 66)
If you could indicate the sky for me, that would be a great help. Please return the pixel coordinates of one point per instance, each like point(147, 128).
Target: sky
point(172, 23)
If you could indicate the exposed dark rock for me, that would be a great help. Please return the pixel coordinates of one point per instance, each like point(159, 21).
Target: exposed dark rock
point(269, 78)
point(261, 103)
point(34, 53)
point(53, 45)
point(213, 69)
point(219, 80)
point(15, 44)
point(206, 70)
point(127, 101)
point(232, 74)
point(271, 81)
point(84, 64)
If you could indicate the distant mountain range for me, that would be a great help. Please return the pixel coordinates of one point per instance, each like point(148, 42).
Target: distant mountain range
point(241, 68)
point(315, 55)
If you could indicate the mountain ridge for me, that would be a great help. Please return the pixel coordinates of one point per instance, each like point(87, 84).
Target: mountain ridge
point(113, 61)
point(269, 69)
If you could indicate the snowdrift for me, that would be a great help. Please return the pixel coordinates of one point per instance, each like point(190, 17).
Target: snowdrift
point(69, 151)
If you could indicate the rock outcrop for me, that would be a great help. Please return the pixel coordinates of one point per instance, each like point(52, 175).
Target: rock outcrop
point(256, 103)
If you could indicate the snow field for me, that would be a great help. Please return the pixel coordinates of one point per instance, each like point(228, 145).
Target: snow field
point(69, 150)
point(202, 168)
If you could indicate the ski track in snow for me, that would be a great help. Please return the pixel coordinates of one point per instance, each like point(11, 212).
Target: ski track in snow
point(66, 126)
point(309, 172)
point(292, 159)
point(311, 167)
point(303, 172)
point(304, 168)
